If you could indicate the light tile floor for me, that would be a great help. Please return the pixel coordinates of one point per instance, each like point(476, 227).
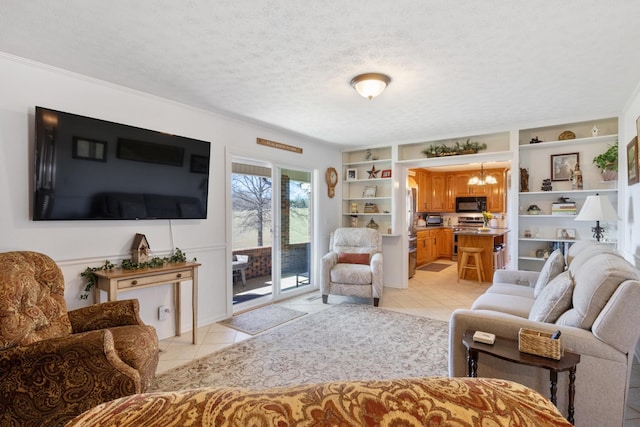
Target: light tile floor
point(430, 294)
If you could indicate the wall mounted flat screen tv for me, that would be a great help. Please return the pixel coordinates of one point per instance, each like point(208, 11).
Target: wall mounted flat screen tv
point(91, 169)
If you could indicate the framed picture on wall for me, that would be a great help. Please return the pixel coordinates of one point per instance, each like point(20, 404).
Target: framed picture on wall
point(632, 161)
point(563, 165)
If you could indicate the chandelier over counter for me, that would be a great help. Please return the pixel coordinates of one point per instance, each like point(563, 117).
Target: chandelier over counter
point(482, 179)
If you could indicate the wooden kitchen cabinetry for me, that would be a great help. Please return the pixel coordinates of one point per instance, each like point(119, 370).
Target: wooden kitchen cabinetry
point(438, 192)
point(422, 249)
point(445, 243)
point(461, 184)
point(495, 192)
point(423, 204)
point(433, 244)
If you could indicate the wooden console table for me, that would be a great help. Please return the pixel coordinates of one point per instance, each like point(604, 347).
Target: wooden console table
point(119, 280)
point(507, 349)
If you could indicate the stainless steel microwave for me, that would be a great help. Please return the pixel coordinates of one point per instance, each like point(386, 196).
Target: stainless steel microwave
point(471, 204)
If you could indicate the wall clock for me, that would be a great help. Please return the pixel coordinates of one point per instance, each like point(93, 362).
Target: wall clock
point(332, 180)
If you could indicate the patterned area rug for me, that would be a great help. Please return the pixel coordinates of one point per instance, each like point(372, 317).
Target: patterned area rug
point(344, 342)
point(434, 266)
point(263, 318)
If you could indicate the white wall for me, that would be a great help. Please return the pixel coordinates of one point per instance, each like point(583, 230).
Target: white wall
point(630, 205)
point(630, 212)
point(76, 245)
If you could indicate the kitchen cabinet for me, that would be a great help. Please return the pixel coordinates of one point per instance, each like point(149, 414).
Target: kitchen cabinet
point(422, 256)
point(427, 246)
point(445, 243)
point(450, 199)
point(423, 203)
point(432, 242)
point(461, 184)
point(495, 192)
point(438, 192)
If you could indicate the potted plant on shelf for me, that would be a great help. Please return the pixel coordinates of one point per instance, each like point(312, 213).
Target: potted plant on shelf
point(607, 162)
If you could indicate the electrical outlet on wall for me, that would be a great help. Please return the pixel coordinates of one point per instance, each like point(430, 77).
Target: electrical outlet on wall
point(164, 312)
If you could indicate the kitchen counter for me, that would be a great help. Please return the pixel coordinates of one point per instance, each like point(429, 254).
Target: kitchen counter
point(492, 232)
point(486, 240)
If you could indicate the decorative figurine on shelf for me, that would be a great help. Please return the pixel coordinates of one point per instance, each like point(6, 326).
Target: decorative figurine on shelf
point(535, 140)
point(354, 207)
point(594, 131)
point(354, 221)
point(372, 224)
point(576, 178)
point(524, 180)
point(373, 173)
point(367, 155)
point(546, 185)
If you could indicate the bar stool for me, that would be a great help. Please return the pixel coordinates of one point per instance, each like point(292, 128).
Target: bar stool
point(466, 254)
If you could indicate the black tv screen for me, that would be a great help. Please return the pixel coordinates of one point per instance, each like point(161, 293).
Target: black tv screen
point(87, 168)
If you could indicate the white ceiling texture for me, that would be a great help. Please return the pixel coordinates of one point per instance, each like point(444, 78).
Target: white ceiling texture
point(456, 67)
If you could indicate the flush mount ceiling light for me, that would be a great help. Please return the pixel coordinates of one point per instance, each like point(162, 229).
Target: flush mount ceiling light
point(370, 85)
point(482, 180)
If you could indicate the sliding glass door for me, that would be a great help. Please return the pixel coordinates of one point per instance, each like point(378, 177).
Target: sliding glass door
point(294, 231)
point(271, 231)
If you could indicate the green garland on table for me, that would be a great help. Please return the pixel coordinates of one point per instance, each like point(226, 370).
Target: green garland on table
point(90, 272)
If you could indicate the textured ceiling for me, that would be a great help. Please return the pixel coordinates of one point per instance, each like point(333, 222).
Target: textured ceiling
point(456, 67)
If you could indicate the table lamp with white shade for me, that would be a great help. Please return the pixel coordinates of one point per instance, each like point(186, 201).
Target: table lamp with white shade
point(597, 208)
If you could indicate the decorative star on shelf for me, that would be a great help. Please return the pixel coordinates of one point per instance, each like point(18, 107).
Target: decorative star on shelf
point(373, 173)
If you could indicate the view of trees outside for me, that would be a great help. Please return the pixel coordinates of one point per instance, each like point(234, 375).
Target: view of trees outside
point(251, 196)
point(252, 216)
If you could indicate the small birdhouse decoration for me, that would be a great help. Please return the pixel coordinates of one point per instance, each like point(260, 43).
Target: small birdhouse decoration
point(140, 249)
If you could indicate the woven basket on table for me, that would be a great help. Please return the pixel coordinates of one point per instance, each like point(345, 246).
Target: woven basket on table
point(539, 343)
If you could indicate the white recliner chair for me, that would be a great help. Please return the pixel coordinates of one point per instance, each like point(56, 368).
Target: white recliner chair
point(353, 266)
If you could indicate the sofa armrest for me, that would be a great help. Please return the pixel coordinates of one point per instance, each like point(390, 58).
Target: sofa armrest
point(77, 372)
point(328, 261)
point(105, 315)
point(377, 274)
point(516, 277)
point(508, 326)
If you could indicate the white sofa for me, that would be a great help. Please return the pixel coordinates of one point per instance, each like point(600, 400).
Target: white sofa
point(595, 303)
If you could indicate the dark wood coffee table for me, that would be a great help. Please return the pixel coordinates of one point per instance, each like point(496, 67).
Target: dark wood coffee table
point(507, 349)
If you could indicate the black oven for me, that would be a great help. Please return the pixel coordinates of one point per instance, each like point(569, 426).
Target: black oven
point(471, 204)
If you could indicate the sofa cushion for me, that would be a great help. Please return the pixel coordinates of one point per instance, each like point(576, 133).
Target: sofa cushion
point(553, 266)
point(589, 247)
point(351, 258)
point(511, 289)
point(587, 254)
point(595, 282)
point(554, 299)
point(511, 304)
point(351, 274)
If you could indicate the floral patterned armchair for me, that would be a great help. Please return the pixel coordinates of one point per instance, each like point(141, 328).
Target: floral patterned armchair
point(56, 364)
point(353, 267)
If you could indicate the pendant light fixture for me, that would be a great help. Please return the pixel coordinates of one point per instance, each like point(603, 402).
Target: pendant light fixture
point(370, 85)
point(482, 179)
